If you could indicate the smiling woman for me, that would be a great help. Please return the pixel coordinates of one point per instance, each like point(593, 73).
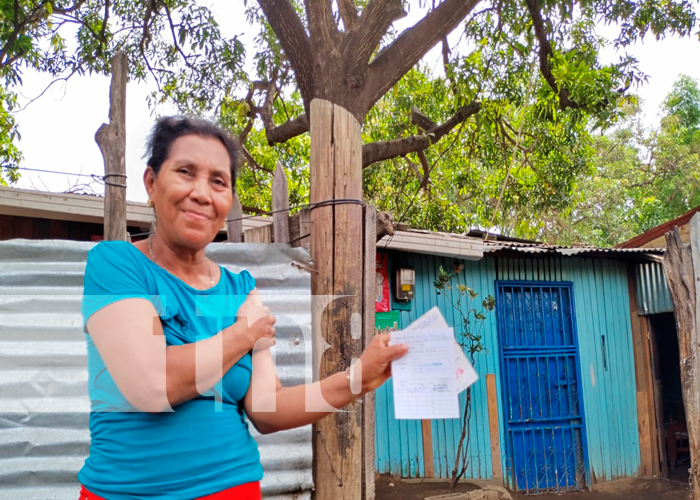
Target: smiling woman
point(178, 347)
point(190, 179)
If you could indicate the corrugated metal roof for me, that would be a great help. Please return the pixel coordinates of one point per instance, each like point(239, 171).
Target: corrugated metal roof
point(434, 243)
point(660, 230)
point(540, 248)
point(44, 406)
point(472, 248)
point(653, 294)
point(83, 208)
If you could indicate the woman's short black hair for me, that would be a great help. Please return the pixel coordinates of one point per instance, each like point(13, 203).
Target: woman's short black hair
point(168, 129)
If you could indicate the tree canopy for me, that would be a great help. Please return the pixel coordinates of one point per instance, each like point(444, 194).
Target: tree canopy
point(499, 136)
point(642, 177)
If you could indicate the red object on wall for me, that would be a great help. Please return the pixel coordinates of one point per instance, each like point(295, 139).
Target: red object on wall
point(382, 302)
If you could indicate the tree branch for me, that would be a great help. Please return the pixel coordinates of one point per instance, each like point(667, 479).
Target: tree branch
point(373, 24)
point(421, 121)
point(105, 20)
point(348, 13)
point(404, 53)
point(378, 151)
point(18, 27)
point(265, 111)
point(514, 142)
point(294, 41)
point(288, 130)
point(56, 80)
point(246, 130)
point(449, 72)
point(321, 23)
point(521, 132)
point(146, 35)
point(414, 167)
point(253, 210)
point(185, 57)
point(252, 163)
point(426, 169)
point(275, 134)
point(68, 10)
point(544, 52)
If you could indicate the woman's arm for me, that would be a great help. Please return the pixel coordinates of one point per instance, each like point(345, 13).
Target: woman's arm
point(154, 377)
point(272, 407)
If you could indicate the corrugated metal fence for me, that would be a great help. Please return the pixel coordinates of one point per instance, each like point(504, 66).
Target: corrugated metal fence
point(653, 294)
point(44, 407)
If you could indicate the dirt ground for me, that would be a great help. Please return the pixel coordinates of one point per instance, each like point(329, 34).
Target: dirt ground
point(388, 488)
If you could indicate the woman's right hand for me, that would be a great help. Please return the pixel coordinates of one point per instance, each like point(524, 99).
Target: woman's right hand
point(376, 361)
point(254, 323)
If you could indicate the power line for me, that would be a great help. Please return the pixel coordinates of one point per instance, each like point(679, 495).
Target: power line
point(94, 176)
point(326, 203)
point(101, 178)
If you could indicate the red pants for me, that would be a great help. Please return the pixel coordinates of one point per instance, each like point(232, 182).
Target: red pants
point(248, 491)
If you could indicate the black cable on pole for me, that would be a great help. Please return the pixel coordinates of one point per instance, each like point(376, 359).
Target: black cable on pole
point(311, 206)
point(326, 203)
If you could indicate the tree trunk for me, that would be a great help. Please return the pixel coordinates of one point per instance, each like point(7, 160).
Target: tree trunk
point(336, 248)
point(111, 138)
point(682, 267)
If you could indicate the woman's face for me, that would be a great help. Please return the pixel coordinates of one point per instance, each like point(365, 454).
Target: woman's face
point(192, 193)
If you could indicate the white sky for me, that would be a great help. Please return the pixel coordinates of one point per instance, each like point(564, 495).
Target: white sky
point(58, 129)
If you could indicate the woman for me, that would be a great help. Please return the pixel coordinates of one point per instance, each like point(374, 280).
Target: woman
point(178, 347)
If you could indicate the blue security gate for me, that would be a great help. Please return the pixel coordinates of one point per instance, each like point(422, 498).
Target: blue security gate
point(544, 418)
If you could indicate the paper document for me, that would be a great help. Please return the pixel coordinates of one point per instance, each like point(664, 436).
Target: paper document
point(466, 375)
point(424, 383)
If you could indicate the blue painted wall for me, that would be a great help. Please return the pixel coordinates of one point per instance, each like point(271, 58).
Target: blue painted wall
point(607, 367)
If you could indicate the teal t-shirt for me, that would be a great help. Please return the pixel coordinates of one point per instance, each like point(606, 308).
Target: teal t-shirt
point(204, 445)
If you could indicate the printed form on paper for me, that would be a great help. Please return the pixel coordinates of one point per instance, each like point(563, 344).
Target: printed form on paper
point(466, 375)
point(425, 386)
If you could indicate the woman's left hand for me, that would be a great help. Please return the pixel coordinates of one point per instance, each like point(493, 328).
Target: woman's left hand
point(376, 361)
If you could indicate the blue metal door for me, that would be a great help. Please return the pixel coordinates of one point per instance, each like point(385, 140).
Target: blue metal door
point(542, 398)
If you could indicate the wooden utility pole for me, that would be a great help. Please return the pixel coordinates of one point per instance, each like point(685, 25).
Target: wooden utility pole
point(682, 267)
point(111, 138)
point(336, 248)
point(369, 283)
point(280, 205)
point(341, 77)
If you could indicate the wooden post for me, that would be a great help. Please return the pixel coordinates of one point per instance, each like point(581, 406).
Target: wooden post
point(657, 399)
point(336, 248)
point(300, 228)
point(385, 225)
point(646, 422)
point(495, 435)
point(428, 461)
point(280, 201)
point(369, 277)
point(234, 224)
point(656, 433)
point(262, 234)
point(111, 138)
point(682, 267)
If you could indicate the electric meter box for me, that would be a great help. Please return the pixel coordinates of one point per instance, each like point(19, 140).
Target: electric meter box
point(405, 284)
